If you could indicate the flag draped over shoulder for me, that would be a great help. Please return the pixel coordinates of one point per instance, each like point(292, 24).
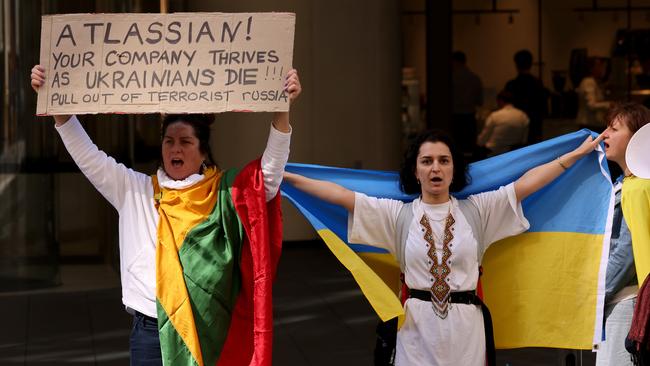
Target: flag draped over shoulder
point(218, 247)
point(545, 287)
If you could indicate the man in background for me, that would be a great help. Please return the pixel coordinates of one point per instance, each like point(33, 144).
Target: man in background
point(529, 94)
point(467, 96)
point(505, 129)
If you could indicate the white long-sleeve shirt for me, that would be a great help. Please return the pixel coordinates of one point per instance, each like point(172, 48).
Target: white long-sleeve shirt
point(131, 193)
point(504, 129)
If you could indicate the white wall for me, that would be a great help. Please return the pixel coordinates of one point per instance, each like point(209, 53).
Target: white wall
point(349, 57)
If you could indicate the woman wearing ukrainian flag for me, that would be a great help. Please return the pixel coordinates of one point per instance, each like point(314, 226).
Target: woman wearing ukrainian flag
point(438, 241)
point(198, 245)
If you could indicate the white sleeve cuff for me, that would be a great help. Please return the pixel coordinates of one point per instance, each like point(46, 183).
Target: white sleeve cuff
point(517, 210)
point(71, 125)
point(274, 160)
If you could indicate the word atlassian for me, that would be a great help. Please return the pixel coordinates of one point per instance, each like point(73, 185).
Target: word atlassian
point(157, 32)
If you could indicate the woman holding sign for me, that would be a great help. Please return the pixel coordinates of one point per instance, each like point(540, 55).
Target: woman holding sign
point(198, 245)
point(438, 241)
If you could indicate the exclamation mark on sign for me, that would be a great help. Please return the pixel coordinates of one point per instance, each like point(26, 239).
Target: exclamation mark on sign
point(273, 72)
point(267, 73)
point(281, 75)
point(248, 28)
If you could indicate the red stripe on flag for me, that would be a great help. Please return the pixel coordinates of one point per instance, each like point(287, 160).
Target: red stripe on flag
point(250, 337)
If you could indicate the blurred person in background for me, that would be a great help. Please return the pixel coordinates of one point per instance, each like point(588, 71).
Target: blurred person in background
point(505, 129)
point(529, 94)
point(467, 95)
point(592, 106)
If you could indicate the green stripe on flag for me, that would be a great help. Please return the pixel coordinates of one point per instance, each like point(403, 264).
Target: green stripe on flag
point(172, 342)
point(210, 257)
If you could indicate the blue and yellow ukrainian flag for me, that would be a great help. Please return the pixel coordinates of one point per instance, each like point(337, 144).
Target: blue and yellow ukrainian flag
point(545, 287)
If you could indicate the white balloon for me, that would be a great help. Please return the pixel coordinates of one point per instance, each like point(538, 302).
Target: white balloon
point(637, 155)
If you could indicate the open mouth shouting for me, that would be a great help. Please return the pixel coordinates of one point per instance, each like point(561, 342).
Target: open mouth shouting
point(181, 151)
point(177, 163)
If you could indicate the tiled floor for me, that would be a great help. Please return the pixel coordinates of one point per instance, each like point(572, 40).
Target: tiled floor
point(321, 319)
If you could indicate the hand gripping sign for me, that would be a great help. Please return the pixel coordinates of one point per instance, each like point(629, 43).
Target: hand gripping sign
point(167, 63)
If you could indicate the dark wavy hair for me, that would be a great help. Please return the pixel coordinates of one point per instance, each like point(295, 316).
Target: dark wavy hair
point(200, 123)
point(408, 181)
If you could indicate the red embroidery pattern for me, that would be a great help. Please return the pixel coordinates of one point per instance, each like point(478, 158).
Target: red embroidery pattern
point(440, 289)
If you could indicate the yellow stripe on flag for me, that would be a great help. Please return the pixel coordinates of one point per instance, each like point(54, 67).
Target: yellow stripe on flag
point(539, 276)
point(180, 211)
point(635, 202)
point(386, 267)
point(380, 296)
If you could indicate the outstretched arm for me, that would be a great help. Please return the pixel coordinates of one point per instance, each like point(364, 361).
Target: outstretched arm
point(536, 178)
point(327, 191)
point(293, 88)
point(112, 180)
point(276, 153)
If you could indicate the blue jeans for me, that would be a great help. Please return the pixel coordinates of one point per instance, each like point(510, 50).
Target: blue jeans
point(145, 342)
point(618, 319)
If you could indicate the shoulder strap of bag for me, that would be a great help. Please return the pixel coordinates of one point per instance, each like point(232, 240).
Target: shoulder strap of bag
point(404, 219)
point(473, 217)
point(157, 192)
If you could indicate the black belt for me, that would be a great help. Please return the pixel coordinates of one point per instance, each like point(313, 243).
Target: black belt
point(145, 318)
point(465, 297)
point(470, 298)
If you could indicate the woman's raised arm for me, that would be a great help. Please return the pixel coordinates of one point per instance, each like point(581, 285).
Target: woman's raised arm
point(293, 88)
point(536, 178)
point(276, 154)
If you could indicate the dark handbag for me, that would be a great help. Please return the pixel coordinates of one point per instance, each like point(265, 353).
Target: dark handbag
point(640, 355)
point(386, 343)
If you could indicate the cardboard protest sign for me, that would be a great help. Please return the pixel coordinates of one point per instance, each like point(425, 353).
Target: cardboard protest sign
point(168, 63)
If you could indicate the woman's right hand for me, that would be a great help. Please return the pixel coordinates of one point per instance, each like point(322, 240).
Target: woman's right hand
point(38, 77)
point(38, 80)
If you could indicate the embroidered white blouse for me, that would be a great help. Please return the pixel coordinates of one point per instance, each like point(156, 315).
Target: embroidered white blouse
point(426, 339)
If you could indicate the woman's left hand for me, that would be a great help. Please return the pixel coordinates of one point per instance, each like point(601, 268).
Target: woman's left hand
point(590, 144)
point(538, 177)
point(292, 85)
